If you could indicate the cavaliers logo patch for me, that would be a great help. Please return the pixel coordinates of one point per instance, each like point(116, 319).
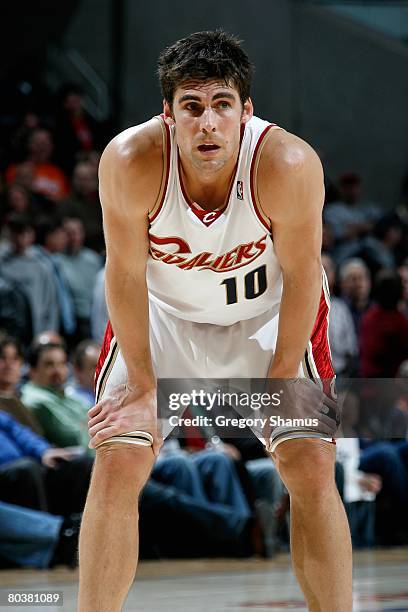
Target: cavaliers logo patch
point(179, 254)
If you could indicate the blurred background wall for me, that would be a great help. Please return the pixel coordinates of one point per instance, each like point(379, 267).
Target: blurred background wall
point(323, 70)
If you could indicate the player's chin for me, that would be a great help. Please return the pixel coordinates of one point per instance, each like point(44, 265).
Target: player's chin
point(210, 164)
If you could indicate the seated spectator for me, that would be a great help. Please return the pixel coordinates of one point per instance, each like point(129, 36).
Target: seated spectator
point(384, 329)
point(52, 239)
point(351, 217)
point(75, 130)
point(31, 538)
point(390, 462)
point(387, 237)
point(18, 264)
point(84, 204)
point(63, 419)
point(15, 313)
point(360, 490)
point(17, 201)
point(355, 287)
point(198, 527)
point(342, 335)
point(79, 266)
point(35, 475)
point(49, 179)
point(11, 365)
point(257, 474)
point(85, 359)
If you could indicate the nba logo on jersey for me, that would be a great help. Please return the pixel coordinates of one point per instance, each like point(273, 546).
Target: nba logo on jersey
point(240, 190)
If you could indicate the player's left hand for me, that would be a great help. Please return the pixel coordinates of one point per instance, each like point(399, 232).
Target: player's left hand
point(302, 398)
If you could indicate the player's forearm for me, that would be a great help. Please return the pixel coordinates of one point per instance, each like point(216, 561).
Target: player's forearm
point(129, 314)
point(297, 315)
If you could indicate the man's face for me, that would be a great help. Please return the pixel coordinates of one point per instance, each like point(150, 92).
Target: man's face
point(51, 370)
point(85, 180)
point(10, 366)
point(208, 116)
point(23, 239)
point(40, 146)
point(56, 241)
point(75, 233)
point(356, 284)
point(85, 375)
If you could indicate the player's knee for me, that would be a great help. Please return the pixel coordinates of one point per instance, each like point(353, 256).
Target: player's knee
point(306, 467)
point(123, 465)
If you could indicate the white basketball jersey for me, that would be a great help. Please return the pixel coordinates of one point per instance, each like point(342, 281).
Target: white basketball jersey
point(218, 266)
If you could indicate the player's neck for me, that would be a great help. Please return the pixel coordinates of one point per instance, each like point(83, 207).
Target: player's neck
point(209, 190)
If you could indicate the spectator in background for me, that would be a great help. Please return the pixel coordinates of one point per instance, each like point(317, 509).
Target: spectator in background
point(18, 264)
point(52, 239)
point(342, 335)
point(360, 491)
point(17, 201)
point(85, 359)
point(84, 204)
point(11, 365)
point(351, 217)
point(35, 475)
point(75, 130)
point(63, 419)
point(79, 266)
point(384, 329)
point(15, 313)
point(355, 287)
point(387, 237)
point(30, 538)
point(28, 123)
point(49, 179)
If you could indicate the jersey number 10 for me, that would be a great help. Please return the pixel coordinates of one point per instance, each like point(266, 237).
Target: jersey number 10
point(255, 285)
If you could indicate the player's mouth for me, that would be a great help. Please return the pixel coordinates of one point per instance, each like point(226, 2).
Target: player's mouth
point(208, 149)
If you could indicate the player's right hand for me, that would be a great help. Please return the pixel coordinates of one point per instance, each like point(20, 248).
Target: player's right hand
point(122, 411)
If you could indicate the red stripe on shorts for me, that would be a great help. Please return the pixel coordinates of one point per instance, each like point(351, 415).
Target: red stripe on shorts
point(320, 341)
point(104, 351)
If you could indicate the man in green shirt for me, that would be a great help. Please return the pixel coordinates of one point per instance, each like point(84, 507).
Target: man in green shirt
point(62, 418)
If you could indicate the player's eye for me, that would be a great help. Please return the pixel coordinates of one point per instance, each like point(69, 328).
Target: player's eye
point(223, 104)
point(192, 106)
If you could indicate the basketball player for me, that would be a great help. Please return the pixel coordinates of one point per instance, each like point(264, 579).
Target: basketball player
point(212, 220)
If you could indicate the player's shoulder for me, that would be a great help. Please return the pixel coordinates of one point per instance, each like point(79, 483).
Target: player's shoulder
point(289, 180)
point(137, 147)
point(286, 155)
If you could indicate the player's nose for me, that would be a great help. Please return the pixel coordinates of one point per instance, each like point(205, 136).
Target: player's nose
point(208, 119)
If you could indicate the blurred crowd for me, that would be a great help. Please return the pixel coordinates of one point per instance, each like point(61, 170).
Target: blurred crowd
point(220, 496)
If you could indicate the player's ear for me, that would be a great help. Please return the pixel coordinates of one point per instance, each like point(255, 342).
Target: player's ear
point(247, 111)
point(168, 115)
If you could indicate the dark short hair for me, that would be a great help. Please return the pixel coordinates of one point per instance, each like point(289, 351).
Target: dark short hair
point(7, 340)
point(388, 289)
point(46, 226)
point(203, 56)
point(18, 224)
point(36, 350)
point(80, 351)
